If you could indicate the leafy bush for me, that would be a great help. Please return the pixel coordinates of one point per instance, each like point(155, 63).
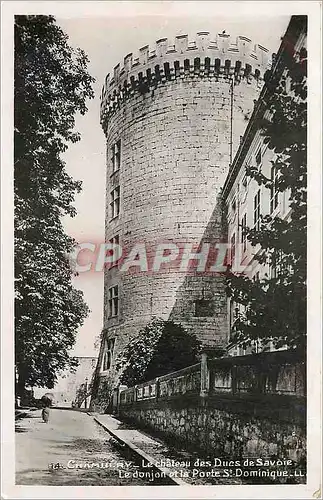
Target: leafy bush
point(161, 347)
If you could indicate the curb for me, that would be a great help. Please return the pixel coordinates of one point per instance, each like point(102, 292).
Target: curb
point(142, 454)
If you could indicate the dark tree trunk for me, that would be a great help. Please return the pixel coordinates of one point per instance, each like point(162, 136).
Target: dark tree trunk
point(20, 386)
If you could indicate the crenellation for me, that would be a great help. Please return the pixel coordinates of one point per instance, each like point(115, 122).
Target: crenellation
point(127, 62)
point(181, 42)
point(161, 47)
point(191, 45)
point(171, 49)
point(223, 43)
point(213, 45)
point(152, 55)
point(116, 71)
point(136, 62)
point(178, 60)
point(144, 54)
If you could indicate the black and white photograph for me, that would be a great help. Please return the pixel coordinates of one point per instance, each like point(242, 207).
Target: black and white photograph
point(161, 256)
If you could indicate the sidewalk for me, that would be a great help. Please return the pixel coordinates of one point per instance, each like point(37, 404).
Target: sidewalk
point(147, 449)
point(178, 465)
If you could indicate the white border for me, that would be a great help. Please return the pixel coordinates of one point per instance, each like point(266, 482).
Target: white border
point(175, 8)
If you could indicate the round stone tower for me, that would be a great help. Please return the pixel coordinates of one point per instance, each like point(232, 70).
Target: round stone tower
point(173, 118)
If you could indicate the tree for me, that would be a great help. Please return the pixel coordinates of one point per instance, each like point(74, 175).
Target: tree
point(161, 347)
point(51, 85)
point(274, 308)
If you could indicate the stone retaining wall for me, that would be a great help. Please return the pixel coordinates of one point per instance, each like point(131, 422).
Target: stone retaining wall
point(237, 420)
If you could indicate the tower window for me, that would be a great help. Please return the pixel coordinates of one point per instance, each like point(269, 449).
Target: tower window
point(108, 354)
point(113, 301)
point(256, 211)
point(203, 308)
point(116, 156)
point(115, 202)
point(114, 241)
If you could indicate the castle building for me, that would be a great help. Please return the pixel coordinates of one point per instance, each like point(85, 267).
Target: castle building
point(173, 119)
point(244, 200)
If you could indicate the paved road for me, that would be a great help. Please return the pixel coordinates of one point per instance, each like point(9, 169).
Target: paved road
point(70, 439)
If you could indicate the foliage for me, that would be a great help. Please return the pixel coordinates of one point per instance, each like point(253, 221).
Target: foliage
point(83, 391)
point(47, 400)
point(51, 87)
point(275, 307)
point(161, 347)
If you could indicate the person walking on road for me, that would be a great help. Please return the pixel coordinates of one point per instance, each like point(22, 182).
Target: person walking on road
point(46, 401)
point(45, 414)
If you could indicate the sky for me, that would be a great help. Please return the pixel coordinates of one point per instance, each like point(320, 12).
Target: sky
point(106, 39)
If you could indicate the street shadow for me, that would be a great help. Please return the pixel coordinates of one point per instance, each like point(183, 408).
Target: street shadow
point(80, 450)
point(19, 429)
point(67, 408)
point(20, 416)
point(125, 426)
point(85, 445)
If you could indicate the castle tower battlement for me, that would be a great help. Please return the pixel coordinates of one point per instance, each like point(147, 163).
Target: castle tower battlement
point(220, 57)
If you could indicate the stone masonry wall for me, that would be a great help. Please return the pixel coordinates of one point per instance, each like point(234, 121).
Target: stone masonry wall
point(222, 429)
point(250, 406)
point(175, 155)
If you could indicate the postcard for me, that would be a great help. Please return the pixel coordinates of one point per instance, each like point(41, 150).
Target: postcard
point(161, 214)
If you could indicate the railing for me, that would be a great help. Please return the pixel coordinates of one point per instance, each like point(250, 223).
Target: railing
point(278, 372)
point(185, 381)
point(275, 373)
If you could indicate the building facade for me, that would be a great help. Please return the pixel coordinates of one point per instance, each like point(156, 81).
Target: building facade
point(173, 120)
point(244, 200)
